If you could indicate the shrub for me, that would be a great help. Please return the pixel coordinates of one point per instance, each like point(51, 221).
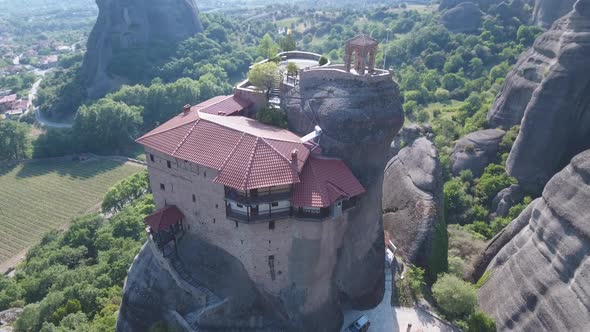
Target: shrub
point(480, 322)
point(442, 95)
point(323, 60)
point(484, 278)
point(455, 297)
point(272, 116)
point(456, 266)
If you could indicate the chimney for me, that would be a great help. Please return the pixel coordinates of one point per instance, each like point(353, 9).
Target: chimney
point(186, 109)
point(294, 154)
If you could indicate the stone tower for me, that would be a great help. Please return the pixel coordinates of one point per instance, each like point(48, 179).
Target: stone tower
point(363, 49)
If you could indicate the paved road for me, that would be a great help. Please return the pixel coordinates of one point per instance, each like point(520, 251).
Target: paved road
point(48, 123)
point(386, 318)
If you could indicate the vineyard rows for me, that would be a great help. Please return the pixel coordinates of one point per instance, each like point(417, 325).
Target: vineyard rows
point(38, 197)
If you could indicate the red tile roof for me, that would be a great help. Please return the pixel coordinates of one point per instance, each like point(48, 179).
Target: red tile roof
point(222, 105)
point(164, 218)
point(323, 182)
point(247, 153)
point(362, 40)
point(8, 99)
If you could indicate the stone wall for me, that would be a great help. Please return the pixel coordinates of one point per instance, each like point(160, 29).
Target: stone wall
point(304, 253)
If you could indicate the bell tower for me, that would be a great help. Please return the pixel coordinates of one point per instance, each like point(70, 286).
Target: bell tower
point(362, 49)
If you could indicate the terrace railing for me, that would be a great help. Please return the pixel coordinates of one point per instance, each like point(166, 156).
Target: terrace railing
point(268, 196)
point(261, 216)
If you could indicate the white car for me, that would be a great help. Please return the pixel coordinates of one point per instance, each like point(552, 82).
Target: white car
point(361, 324)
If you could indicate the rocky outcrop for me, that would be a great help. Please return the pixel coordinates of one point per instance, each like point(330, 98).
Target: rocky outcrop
point(359, 117)
point(476, 150)
point(407, 135)
point(412, 200)
point(548, 11)
point(538, 280)
point(128, 34)
point(177, 290)
point(483, 4)
point(506, 199)
point(549, 90)
point(463, 18)
point(9, 316)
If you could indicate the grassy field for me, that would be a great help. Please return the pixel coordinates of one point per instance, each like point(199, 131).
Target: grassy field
point(40, 196)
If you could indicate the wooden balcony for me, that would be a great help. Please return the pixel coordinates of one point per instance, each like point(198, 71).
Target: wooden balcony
point(261, 216)
point(257, 197)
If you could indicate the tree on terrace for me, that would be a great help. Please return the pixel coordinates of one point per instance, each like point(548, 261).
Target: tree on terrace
point(264, 76)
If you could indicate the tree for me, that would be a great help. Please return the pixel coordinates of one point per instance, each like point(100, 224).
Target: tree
point(272, 116)
point(267, 47)
point(264, 76)
point(292, 69)
point(106, 125)
point(493, 179)
point(323, 61)
point(125, 191)
point(480, 322)
point(287, 43)
point(14, 140)
point(454, 296)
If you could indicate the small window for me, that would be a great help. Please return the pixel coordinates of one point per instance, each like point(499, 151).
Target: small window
point(194, 198)
point(271, 225)
point(275, 204)
point(217, 206)
point(240, 206)
point(151, 157)
point(340, 203)
point(168, 163)
point(204, 173)
point(162, 186)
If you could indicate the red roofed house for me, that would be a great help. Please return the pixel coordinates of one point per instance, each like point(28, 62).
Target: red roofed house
point(249, 188)
point(8, 102)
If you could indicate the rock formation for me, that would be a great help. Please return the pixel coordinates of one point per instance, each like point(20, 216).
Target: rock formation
point(128, 34)
point(331, 263)
point(412, 200)
point(549, 90)
point(548, 11)
point(407, 135)
point(538, 276)
point(506, 199)
point(476, 150)
point(465, 18)
point(482, 4)
point(359, 117)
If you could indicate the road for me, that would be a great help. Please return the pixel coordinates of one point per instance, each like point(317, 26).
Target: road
point(38, 116)
point(386, 318)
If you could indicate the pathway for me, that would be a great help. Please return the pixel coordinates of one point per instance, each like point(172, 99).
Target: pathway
point(386, 318)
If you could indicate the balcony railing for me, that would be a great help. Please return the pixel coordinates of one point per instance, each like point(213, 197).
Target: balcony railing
point(312, 216)
point(261, 216)
point(260, 197)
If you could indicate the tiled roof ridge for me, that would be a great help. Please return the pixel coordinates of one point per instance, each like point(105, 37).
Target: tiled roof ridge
point(233, 151)
point(215, 103)
point(344, 193)
point(250, 161)
point(280, 154)
point(319, 185)
point(154, 132)
point(185, 137)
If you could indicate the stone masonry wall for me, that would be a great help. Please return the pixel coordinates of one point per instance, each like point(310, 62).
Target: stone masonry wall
point(304, 253)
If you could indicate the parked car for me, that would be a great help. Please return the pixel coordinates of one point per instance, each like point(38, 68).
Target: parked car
point(361, 324)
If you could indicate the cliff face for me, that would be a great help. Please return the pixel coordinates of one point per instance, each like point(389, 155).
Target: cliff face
point(539, 271)
point(129, 35)
point(359, 119)
point(412, 200)
point(548, 11)
point(548, 93)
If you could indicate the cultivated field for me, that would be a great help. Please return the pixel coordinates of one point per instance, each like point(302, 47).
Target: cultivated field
point(40, 196)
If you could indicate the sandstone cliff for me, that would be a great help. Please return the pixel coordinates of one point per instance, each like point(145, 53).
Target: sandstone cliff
point(129, 35)
point(548, 92)
point(463, 18)
point(412, 201)
point(476, 150)
point(538, 276)
point(359, 118)
point(548, 11)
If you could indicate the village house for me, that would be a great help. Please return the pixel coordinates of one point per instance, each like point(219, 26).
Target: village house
point(48, 62)
point(19, 108)
point(8, 102)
